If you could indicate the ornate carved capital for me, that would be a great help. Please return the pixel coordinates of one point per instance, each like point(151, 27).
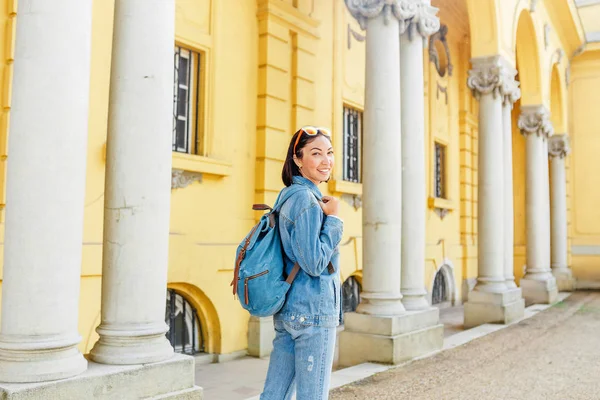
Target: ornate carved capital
point(510, 87)
point(181, 179)
point(558, 146)
point(487, 76)
point(402, 10)
point(535, 120)
point(425, 22)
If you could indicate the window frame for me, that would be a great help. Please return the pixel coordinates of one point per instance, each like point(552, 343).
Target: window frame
point(194, 136)
point(359, 115)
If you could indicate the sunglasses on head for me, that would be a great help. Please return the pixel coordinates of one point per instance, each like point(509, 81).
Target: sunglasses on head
point(311, 131)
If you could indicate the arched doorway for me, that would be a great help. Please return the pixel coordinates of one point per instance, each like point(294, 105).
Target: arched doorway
point(350, 294)
point(185, 330)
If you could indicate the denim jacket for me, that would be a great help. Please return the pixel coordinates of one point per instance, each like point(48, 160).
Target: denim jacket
point(310, 238)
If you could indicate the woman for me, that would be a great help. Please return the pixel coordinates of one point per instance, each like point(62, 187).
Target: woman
point(305, 327)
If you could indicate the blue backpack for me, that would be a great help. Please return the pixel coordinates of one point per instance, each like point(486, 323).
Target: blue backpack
point(258, 278)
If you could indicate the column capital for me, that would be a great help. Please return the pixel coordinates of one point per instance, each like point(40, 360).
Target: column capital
point(510, 87)
point(402, 10)
point(425, 21)
point(488, 75)
point(558, 146)
point(535, 120)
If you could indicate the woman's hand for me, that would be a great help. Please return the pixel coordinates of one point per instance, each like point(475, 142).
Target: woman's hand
point(330, 205)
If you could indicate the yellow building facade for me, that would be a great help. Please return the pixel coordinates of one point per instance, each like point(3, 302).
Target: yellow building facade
point(257, 70)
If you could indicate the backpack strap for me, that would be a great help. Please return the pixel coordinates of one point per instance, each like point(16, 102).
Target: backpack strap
point(239, 260)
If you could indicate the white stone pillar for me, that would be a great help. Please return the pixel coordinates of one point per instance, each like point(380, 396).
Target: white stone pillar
point(382, 191)
point(558, 149)
point(138, 185)
point(511, 93)
point(381, 330)
point(538, 284)
point(45, 192)
point(491, 300)
point(414, 190)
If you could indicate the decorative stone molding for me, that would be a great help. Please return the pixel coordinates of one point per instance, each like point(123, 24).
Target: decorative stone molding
point(558, 146)
point(533, 5)
point(434, 57)
point(535, 120)
point(181, 179)
point(353, 200)
point(402, 10)
point(487, 76)
point(510, 87)
point(425, 22)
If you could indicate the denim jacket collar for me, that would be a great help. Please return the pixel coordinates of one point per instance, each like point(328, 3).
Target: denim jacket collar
point(300, 180)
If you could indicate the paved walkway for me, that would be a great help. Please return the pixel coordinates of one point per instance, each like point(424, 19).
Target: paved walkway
point(552, 355)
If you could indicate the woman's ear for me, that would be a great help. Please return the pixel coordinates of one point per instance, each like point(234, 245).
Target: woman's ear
point(297, 162)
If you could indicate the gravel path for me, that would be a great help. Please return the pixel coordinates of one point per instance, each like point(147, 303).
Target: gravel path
point(553, 355)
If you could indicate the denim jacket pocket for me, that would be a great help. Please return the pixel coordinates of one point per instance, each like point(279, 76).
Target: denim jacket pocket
point(328, 295)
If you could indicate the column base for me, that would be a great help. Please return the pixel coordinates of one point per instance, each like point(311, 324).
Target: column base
point(27, 359)
point(171, 379)
point(130, 347)
point(564, 279)
point(260, 336)
point(539, 291)
point(493, 308)
point(389, 340)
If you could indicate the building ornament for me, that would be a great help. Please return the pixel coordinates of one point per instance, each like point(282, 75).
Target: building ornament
point(181, 179)
point(510, 88)
point(434, 57)
point(425, 22)
point(402, 10)
point(535, 120)
point(485, 78)
point(558, 146)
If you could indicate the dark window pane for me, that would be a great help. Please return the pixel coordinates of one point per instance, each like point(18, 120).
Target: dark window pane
point(181, 135)
point(182, 108)
point(184, 78)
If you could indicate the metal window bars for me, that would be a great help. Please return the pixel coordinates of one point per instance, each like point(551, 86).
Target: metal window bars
point(185, 329)
point(352, 145)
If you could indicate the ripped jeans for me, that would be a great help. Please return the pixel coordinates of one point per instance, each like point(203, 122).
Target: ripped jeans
point(302, 356)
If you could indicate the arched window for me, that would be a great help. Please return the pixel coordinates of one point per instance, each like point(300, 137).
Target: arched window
point(440, 289)
point(350, 294)
point(185, 331)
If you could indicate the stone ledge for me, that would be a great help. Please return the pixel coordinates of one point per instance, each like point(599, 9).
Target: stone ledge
point(539, 292)
point(391, 326)
point(359, 347)
point(170, 379)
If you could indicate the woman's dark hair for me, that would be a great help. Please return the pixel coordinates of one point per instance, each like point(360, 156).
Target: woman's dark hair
point(290, 169)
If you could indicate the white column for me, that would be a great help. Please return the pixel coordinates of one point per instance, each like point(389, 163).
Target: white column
point(138, 185)
point(382, 187)
point(558, 149)
point(45, 192)
point(381, 330)
point(538, 284)
point(511, 93)
point(485, 80)
point(414, 191)
point(382, 192)
point(491, 301)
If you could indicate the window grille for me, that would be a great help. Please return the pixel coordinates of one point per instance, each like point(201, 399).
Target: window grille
point(350, 295)
point(185, 101)
point(352, 145)
point(185, 330)
point(440, 171)
point(440, 289)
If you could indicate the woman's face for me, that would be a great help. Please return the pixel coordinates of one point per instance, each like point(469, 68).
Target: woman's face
point(317, 160)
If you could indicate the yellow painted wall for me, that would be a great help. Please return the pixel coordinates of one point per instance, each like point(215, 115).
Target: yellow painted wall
point(271, 66)
point(585, 188)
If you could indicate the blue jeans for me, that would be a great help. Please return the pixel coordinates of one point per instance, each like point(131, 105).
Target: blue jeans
point(302, 356)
